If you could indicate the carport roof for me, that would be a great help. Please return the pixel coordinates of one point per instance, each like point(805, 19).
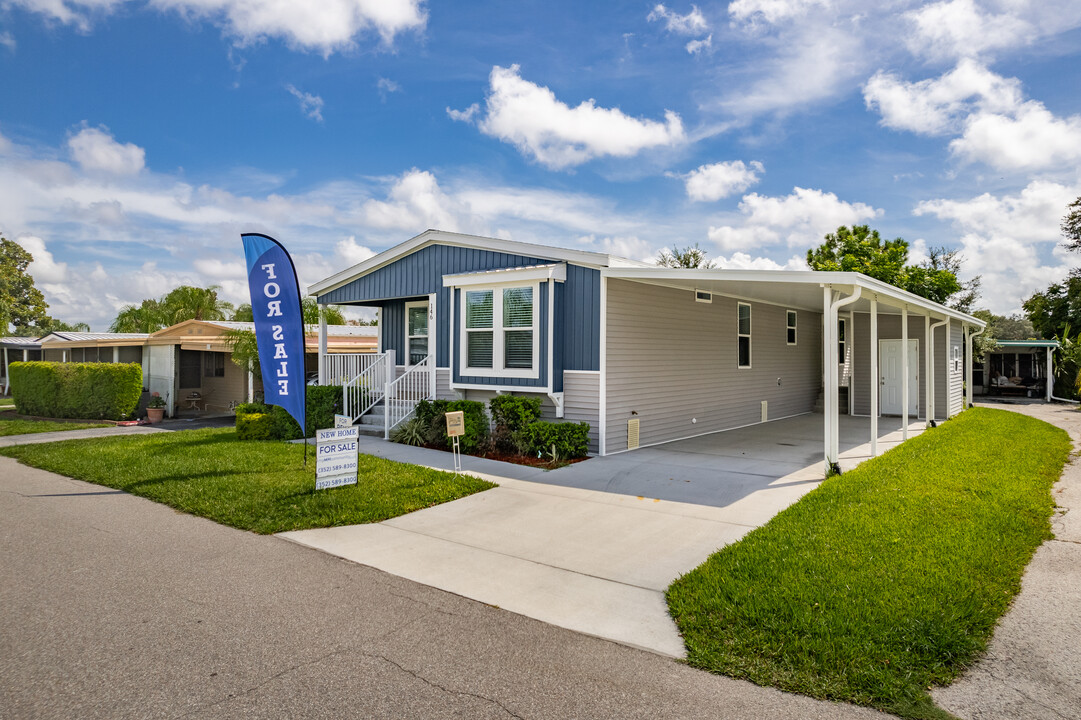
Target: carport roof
point(797, 289)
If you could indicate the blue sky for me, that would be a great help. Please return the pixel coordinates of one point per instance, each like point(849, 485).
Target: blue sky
point(139, 139)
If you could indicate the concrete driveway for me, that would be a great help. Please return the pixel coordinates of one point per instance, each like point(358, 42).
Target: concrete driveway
point(593, 546)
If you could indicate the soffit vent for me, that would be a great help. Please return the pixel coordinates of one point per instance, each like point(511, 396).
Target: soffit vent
point(632, 433)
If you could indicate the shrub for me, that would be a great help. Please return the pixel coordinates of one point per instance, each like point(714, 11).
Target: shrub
point(514, 412)
point(431, 415)
point(322, 403)
point(254, 426)
point(570, 440)
point(77, 390)
point(410, 432)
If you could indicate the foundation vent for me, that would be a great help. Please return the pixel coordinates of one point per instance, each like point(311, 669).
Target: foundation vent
point(632, 433)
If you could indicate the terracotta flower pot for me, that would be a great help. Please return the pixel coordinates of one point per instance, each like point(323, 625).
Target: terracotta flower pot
point(155, 415)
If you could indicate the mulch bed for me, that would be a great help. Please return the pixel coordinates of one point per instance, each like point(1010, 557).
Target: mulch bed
point(515, 458)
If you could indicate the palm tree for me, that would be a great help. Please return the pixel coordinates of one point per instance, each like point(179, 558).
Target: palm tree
point(193, 303)
point(148, 317)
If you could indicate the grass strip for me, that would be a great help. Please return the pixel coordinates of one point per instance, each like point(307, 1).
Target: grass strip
point(251, 485)
point(27, 427)
point(888, 579)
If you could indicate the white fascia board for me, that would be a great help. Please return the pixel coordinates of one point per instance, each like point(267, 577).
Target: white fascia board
point(535, 273)
point(688, 278)
point(440, 237)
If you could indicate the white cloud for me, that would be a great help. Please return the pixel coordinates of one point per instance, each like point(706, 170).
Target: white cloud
point(1010, 240)
point(69, 12)
point(539, 125)
point(693, 23)
point(351, 252)
point(1030, 138)
point(386, 86)
point(310, 105)
point(7, 40)
point(415, 203)
point(800, 219)
point(743, 261)
point(696, 46)
point(713, 182)
point(996, 125)
point(466, 115)
point(95, 149)
point(326, 26)
point(771, 11)
point(958, 28)
point(44, 268)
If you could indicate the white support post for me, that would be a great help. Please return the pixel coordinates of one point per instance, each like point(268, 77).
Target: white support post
point(904, 373)
point(322, 346)
point(7, 372)
point(874, 376)
point(928, 371)
point(392, 369)
point(1050, 381)
point(251, 381)
point(116, 353)
point(829, 379)
point(433, 342)
point(379, 329)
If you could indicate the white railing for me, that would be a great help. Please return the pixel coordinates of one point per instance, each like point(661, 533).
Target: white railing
point(341, 368)
point(415, 384)
point(365, 390)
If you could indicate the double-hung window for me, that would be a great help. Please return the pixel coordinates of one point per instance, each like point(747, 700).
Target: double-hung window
point(744, 335)
point(791, 329)
point(500, 331)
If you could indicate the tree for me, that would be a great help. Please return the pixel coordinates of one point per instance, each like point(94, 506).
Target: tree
point(147, 317)
point(1071, 226)
point(1056, 308)
point(243, 349)
point(194, 303)
point(22, 305)
point(691, 256)
point(861, 249)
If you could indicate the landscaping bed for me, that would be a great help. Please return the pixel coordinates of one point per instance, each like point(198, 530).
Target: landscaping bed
point(251, 485)
point(888, 579)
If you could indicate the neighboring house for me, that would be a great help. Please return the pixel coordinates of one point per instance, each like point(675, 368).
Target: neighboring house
point(642, 353)
point(189, 364)
point(1017, 367)
point(16, 349)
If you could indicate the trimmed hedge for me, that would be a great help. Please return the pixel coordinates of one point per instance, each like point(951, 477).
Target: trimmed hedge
point(108, 391)
point(322, 403)
point(570, 440)
point(514, 412)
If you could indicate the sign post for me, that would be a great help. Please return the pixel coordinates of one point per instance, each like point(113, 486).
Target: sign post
point(455, 429)
point(336, 457)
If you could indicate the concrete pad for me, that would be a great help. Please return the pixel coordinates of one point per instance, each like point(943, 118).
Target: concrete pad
point(47, 437)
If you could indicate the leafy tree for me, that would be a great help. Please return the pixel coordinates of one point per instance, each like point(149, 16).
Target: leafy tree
point(1071, 226)
point(691, 256)
point(194, 303)
point(21, 304)
point(1056, 308)
point(147, 317)
point(243, 349)
point(861, 249)
point(243, 313)
point(1008, 327)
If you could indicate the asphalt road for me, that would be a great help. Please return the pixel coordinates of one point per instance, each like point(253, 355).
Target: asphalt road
point(112, 606)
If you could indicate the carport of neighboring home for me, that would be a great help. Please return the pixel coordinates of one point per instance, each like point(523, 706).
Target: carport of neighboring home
point(649, 355)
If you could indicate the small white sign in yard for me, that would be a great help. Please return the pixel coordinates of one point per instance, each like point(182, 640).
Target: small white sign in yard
point(336, 457)
point(342, 421)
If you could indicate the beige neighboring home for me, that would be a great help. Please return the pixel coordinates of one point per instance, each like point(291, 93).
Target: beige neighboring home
point(189, 364)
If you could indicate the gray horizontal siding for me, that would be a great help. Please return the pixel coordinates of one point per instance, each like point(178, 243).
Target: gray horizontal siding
point(671, 359)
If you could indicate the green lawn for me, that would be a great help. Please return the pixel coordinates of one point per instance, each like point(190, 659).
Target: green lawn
point(888, 579)
point(259, 486)
point(25, 427)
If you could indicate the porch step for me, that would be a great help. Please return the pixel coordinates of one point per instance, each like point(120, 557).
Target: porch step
point(370, 430)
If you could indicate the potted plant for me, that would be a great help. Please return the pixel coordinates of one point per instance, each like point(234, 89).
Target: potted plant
point(155, 409)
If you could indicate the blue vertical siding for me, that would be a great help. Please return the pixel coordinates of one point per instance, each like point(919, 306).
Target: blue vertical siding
point(581, 313)
point(558, 352)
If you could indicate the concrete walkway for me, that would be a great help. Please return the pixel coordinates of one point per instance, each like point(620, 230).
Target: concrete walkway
point(46, 437)
point(1032, 669)
point(593, 546)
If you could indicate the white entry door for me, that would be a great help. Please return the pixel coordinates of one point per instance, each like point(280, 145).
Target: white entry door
point(890, 378)
point(416, 332)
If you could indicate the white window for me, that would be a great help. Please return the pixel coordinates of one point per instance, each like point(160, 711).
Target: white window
point(416, 332)
point(842, 342)
point(743, 333)
point(791, 326)
point(500, 334)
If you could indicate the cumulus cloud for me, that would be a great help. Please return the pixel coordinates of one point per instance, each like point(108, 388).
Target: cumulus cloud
point(995, 124)
point(1009, 239)
point(310, 105)
point(799, 219)
point(95, 149)
point(558, 136)
point(744, 261)
point(44, 268)
point(958, 28)
point(693, 23)
point(719, 180)
point(771, 11)
point(415, 201)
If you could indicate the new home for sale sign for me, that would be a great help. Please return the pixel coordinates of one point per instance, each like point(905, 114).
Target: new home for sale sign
point(336, 457)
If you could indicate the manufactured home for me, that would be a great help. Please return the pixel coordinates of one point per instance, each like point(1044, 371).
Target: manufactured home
point(645, 354)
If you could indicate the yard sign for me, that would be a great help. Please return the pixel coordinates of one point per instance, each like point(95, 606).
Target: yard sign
point(335, 457)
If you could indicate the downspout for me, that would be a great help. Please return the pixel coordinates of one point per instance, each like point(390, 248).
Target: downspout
point(1051, 380)
point(933, 410)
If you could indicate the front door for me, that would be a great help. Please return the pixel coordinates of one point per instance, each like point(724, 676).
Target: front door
point(890, 377)
point(416, 332)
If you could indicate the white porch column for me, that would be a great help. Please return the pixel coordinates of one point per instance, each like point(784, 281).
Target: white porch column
point(904, 372)
point(7, 372)
point(379, 329)
point(875, 374)
point(1050, 382)
point(829, 379)
point(116, 353)
point(322, 346)
point(251, 382)
point(390, 377)
point(929, 374)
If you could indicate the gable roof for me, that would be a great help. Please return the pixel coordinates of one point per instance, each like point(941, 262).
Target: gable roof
point(586, 258)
